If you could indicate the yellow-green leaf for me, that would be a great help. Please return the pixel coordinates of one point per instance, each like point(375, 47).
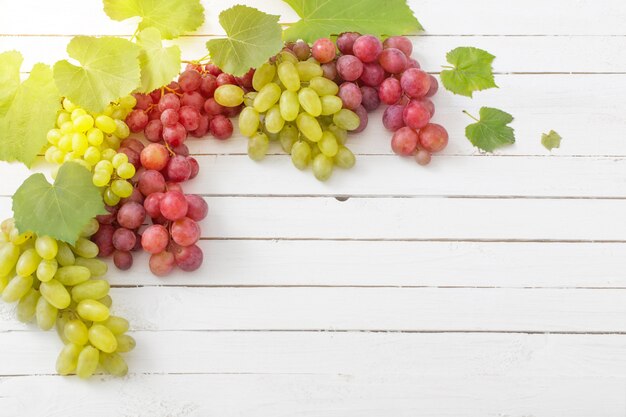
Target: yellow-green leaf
point(471, 71)
point(10, 63)
point(491, 131)
point(551, 140)
point(159, 64)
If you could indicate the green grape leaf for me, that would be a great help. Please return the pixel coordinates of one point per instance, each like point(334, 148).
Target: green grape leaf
point(471, 71)
point(253, 36)
point(61, 210)
point(110, 70)
point(27, 111)
point(551, 140)
point(10, 63)
point(491, 131)
point(323, 18)
point(159, 65)
point(171, 17)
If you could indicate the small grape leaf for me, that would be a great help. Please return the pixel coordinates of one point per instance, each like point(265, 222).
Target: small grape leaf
point(472, 71)
point(172, 18)
point(253, 36)
point(110, 70)
point(491, 131)
point(551, 140)
point(323, 18)
point(61, 210)
point(159, 65)
point(27, 110)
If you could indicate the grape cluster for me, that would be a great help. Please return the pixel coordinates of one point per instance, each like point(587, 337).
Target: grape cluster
point(371, 72)
point(171, 238)
point(295, 103)
point(186, 107)
point(60, 285)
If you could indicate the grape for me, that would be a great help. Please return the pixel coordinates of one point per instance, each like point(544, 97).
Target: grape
point(415, 83)
point(195, 167)
point(331, 105)
point(267, 97)
point(117, 325)
point(151, 182)
point(322, 167)
point(203, 127)
point(174, 135)
point(213, 108)
point(105, 124)
point(208, 85)
point(154, 157)
point(433, 138)
point(87, 362)
point(122, 188)
point(429, 105)
point(301, 154)
point(72, 275)
point(67, 360)
point(90, 290)
point(309, 70)
point(143, 101)
point(370, 99)
point(344, 158)
point(76, 332)
point(263, 76)
point(125, 343)
point(367, 48)
point(373, 74)
point(434, 87)
point(225, 79)
point(330, 71)
point(27, 306)
point(152, 204)
point(351, 95)
point(340, 134)
point(328, 144)
point(168, 101)
point(47, 269)
point(349, 67)
point(114, 364)
point(404, 141)
point(323, 50)
point(9, 254)
point(155, 239)
point(249, 121)
point(154, 130)
point(346, 119)
point(54, 292)
point(178, 169)
point(189, 117)
point(173, 205)
point(221, 127)
point(85, 248)
point(423, 157)
point(190, 80)
point(309, 126)
point(310, 102)
point(124, 239)
point(302, 50)
point(185, 232)
point(416, 115)
point(288, 75)
point(103, 238)
point(230, 95)
point(246, 80)
point(362, 113)
point(258, 145)
point(402, 43)
point(102, 338)
point(95, 266)
point(274, 121)
point(46, 314)
point(289, 106)
point(17, 288)
point(188, 258)
point(390, 91)
point(345, 42)
point(162, 264)
point(27, 263)
point(393, 60)
point(212, 69)
point(324, 86)
point(131, 215)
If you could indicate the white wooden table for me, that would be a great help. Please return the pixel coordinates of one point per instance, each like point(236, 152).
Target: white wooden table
point(480, 286)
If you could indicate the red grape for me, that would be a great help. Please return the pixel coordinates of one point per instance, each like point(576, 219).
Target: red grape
point(152, 204)
point(302, 50)
point(367, 48)
point(393, 117)
point(123, 260)
point(189, 117)
point(350, 95)
point(137, 120)
point(370, 101)
point(393, 60)
point(345, 42)
point(434, 87)
point(136, 197)
point(415, 83)
point(213, 69)
point(203, 127)
point(221, 127)
point(143, 101)
point(188, 258)
point(323, 50)
point(155, 239)
point(416, 115)
point(330, 70)
point(169, 101)
point(161, 264)
point(197, 208)
point(423, 157)
point(208, 86)
point(373, 74)
point(362, 113)
point(155, 156)
point(402, 43)
point(151, 182)
point(131, 215)
point(190, 80)
point(349, 67)
point(174, 205)
point(195, 167)
point(193, 99)
point(133, 156)
point(185, 232)
point(133, 144)
point(104, 239)
point(169, 117)
point(174, 135)
point(213, 108)
point(433, 138)
point(154, 130)
point(124, 239)
point(178, 169)
point(225, 79)
point(404, 141)
point(390, 91)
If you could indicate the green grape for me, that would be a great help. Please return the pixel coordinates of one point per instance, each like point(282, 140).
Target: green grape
point(118, 160)
point(128, 102)
point(49, 155)
point(263, 76)
point(92, 155)
point(121, 128)
point(9, 254)
point(4, 281)
point(79, 143)
point(330, 105)
point(72, 275)
point(267, 97)
point(113, 364)
point(55, 293)
point(340, 134)
point(107, 166)
point(108, 155)
point(258, 145)
point(112, 142)
point(249, 121)
point(301, 154)
point(83, 123)
point(90, 228)
point(328, 145)
point(310, 101)
point(47, 269)
point(108, 110)
point(126, 171)
point(288, 136)
point(95, 137)
point(92, 310)
point(67, 128)
point(27, 306)
point(322, 167)
point(97, 267)
point(101, 178)
point(63, 317)
point(102, 338)
point(87, 362)
point(58, 157)
point(274, 122)
point(315, 150)
point(85, 248)
point(288, 76)
point(17, 288)
point(63, 118)
point(289, 105)
point(117, 325)
point(18, 238)
point(248, 99)
point(346, 119)
point(125, 343)
point(68, 359)
point(65, 143)
point(76, 332)
point(46, 314)
point(46, 247)
point(229, 95)
point(110, 198)
point(309, 70)
point(78, 112)
point(53, 136)
point(106, 301)
point(68, 105)
point(7, 225)
point(324, 87)
point(106, 124)
point(122, 188)
point(65, 256)
point(90, 290)
point(309, 126)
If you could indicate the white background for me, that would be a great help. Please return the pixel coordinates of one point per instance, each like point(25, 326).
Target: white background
point(479, 286)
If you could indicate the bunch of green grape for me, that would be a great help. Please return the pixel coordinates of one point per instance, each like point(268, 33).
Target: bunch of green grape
point(92, 140)
point(60, 285)
point(295, 104)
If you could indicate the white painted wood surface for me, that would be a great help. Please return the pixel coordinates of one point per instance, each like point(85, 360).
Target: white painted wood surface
point(480, 286)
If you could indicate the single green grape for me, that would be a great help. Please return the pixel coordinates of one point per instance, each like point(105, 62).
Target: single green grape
point(53, 136)
point(119, 159)
point(101, 178)
point(322, 167)
point(258, 145)
point(125, 343)
point(27, 263)
point(126, 171)
point(92, 155)
point(85, 248)
point(87, 362)
point(77, 112)
point(102, 338)
point(340, 134)
point(65, 256)
point(9, 254)
point(346, 119)
point(328, 144)
point(110, 198)
point(301, 154)
point(330, 105)
point(263, 76)
point(274, 121)
point(63, 117)
point(107, 166)
point(308, 70)
point(68, 105)
point(55, 293)
point(310, 101)
point(92, 310)
point(106, 124)
point(285, 56)
point(65, 143)
point(309, 126)
point(47, 269)
point(17, 288)
point(27, 306)
point(108, 155)
point(289, 105)
point(83, 123)
point(288, 75)
point(117, 325)
point(229, 95)
point(113, 364)
point(95, 137)
point(67, 360)
point(76, 332)
point(72, 275)
point(122, 188)
point(288, 136)
point(97, 268)
point(128, 102)
point(122, 130)
point(267, 97)
point(94, 289)
point(46, 314)
point(46, 247)
point(249, 121)
point(324, 87)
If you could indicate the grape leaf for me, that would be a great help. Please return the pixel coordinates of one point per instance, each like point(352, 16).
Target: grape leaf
point(472, 71)
point(253, 36)
point(110, 70)
point(171, 17)
point(322, 18)
point(159, 65)
point(491, 131)
point(551, 140)
point(27, 110)
point(61, 210)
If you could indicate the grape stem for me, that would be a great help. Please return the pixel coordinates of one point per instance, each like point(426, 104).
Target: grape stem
point(447, 67)
point(466, 112)
point(132, 38)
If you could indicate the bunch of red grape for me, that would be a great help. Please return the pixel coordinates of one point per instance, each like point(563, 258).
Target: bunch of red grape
point(171, 238)
point(187, 107)
point(371, 72)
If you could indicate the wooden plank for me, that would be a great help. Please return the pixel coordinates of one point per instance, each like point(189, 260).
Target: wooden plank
point(448, 17)
point(417, 354)
point(375, 309)
point(314, 395)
